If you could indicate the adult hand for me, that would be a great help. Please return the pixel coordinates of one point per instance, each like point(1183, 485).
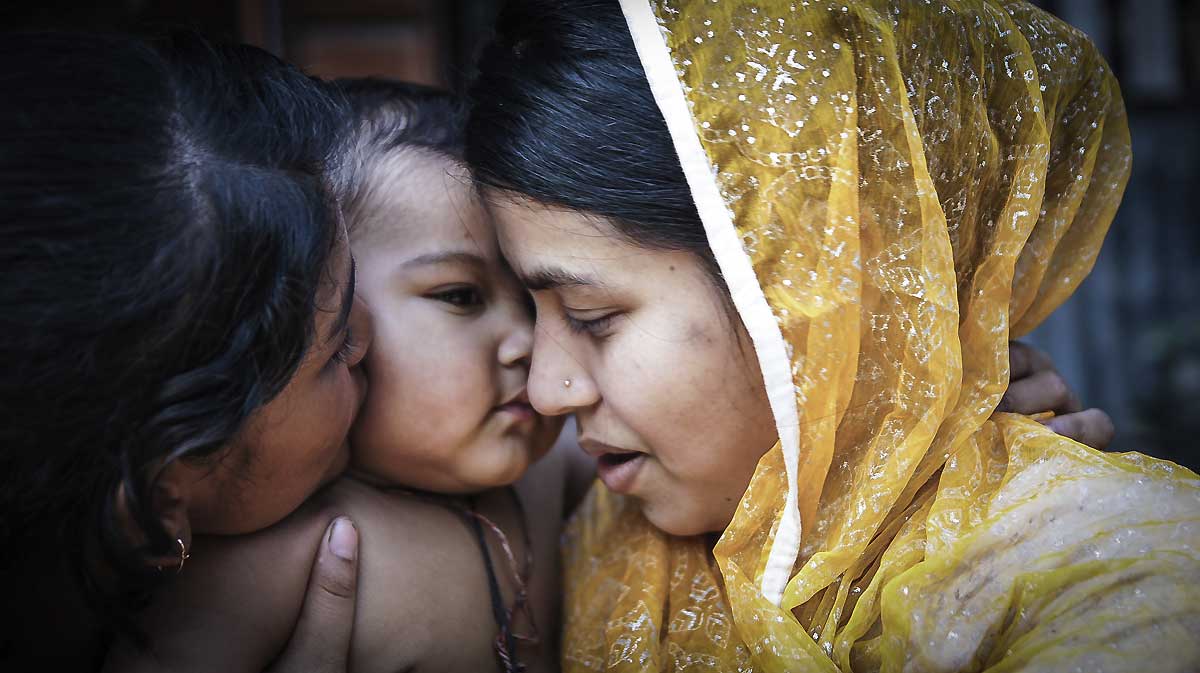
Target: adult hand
point(321, 641)
point(1035, 387)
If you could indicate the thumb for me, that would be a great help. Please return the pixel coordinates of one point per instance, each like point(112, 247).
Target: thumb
point(321, 641)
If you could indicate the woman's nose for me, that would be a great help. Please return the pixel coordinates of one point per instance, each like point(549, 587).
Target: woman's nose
point(558, 383)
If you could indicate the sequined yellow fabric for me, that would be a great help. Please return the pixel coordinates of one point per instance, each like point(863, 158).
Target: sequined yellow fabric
point(915, 183)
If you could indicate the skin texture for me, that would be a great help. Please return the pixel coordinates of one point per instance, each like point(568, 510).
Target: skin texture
point(295, 443)
point(656, 364)
point(453, 333)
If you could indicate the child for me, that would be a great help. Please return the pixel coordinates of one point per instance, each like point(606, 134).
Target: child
point(458, 569)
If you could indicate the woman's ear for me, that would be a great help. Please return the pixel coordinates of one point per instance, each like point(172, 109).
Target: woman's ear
point(169, 503)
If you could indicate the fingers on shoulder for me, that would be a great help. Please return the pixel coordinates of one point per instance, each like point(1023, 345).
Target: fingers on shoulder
point(1092, 427)
point(1024, 360)
point(1045, 390)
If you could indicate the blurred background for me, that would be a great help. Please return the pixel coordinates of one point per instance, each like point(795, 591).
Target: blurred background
point(1128, 341)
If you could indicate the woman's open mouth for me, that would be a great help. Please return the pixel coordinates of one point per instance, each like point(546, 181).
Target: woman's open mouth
point(619, 470)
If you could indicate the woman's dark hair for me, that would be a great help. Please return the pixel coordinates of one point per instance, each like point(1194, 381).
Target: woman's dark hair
point(560, 111)
point(390, 116)
point(165, 225)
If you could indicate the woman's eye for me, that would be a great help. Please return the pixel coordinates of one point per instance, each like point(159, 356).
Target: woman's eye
point(346, 349)
point(595, 327)
point(460, 297)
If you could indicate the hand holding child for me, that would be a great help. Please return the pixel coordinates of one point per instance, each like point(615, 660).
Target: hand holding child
point(321, 641)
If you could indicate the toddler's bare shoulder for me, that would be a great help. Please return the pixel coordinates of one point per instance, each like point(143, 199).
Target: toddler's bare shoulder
point(421, 580)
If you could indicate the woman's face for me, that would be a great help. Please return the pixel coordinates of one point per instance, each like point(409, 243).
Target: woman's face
point(639, 345)
point(297, 442)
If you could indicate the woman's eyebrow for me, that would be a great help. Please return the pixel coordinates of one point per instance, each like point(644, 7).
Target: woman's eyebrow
point(549, 278)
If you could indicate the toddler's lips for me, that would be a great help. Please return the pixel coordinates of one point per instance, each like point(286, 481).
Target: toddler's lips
point(522, 411)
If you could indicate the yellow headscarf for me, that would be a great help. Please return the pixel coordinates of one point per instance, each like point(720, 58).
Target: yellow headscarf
point(893, 190)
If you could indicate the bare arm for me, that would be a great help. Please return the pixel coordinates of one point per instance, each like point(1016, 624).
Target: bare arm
point(239, 600)
point(235, 605)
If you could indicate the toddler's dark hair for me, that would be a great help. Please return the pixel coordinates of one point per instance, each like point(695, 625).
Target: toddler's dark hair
point(391, 116)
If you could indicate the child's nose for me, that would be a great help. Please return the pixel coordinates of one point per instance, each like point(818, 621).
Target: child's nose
point(517, 344)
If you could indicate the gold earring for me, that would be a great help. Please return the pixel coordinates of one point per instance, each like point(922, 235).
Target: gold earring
point(183, 556)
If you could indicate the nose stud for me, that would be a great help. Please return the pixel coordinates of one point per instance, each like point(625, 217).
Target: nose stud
point(566, 383)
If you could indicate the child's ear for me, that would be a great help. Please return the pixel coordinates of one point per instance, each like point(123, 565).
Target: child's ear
point(169, 503)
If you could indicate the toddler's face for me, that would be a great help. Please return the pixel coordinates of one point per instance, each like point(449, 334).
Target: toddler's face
point(446, 408)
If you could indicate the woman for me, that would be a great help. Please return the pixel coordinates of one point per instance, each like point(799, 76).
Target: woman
point(786, 356)
point(180, 336)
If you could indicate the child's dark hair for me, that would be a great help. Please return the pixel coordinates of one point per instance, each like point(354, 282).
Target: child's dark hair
point(165, 224)
point(560, 111)
point(390, 116)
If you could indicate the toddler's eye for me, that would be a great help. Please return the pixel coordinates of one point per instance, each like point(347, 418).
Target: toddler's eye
point(464, 296)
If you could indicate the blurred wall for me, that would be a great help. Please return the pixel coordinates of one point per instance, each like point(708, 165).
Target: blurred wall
point(424, 41)
point(1130, 337)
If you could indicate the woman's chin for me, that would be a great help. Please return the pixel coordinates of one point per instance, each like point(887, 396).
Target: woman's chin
point(681, 522)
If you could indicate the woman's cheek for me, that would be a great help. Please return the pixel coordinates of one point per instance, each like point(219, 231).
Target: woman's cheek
point(342, 402)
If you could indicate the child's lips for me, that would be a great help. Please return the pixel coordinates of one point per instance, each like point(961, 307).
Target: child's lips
point(518, 406)
point(522, 411)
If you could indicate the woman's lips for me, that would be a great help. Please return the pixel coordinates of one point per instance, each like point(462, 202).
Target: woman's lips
point(617, 468)
point(619, 471)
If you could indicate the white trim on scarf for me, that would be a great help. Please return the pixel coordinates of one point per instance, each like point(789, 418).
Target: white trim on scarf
point(748, 297)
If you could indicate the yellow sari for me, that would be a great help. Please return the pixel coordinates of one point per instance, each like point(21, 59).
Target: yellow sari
point(893, 190)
